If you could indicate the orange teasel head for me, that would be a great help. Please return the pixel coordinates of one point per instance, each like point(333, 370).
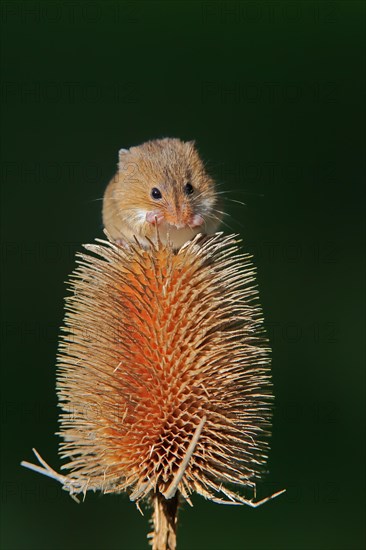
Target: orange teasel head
point(163, 372)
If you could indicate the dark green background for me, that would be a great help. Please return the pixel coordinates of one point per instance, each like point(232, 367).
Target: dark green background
point(272, 92)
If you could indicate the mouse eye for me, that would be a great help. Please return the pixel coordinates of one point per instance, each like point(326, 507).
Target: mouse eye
point(188, 189)
point(155, 193)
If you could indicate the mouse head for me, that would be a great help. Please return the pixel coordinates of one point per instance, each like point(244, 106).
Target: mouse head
point(164, 182)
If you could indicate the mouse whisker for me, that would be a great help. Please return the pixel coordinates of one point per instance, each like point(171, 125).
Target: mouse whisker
point(221, 212)
point(219, 219)
point(222, 192)
point(198, 196)
point(238, 202)
point(237, 191)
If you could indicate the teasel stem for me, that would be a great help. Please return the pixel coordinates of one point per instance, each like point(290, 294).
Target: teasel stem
point(164, 521)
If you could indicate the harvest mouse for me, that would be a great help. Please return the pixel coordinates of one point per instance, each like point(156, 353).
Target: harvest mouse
point(161, 182)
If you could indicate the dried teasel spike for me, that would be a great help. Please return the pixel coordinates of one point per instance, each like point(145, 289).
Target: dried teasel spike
point(163, 377)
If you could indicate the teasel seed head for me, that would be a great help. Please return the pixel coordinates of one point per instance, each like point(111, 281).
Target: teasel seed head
point(163, 377)
point(163, 371)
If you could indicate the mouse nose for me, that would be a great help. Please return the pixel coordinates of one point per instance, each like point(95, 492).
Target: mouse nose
point(154, 217)
point(194, 221)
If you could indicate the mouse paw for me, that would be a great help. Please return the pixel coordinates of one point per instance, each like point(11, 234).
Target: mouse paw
point(154, 217)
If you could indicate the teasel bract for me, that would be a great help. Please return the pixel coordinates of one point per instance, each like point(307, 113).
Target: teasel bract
point(163, 377)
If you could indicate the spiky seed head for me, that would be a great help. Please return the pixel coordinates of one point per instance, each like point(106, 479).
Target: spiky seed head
point(163, 371)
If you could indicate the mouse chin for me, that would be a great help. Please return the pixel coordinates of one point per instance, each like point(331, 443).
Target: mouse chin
point(178, 237)
point(177, 233)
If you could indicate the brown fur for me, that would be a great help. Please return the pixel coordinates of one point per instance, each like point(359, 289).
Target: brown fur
point(167, 164)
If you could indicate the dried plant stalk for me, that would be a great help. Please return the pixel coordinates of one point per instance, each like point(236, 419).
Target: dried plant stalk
point(163, 377)
point(164, 521)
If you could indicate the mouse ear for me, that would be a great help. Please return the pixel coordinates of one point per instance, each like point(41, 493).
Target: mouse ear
point(191, 145)
point(122, 152)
